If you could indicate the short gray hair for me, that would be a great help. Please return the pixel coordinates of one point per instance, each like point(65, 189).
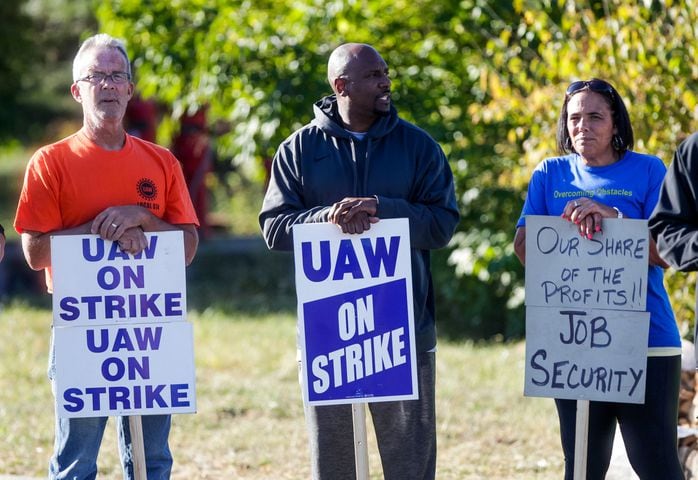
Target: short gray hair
point(96, 41)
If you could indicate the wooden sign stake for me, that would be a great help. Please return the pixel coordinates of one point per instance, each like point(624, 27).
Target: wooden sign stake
point(358, 411)
point(135, 425)
point(581, 440)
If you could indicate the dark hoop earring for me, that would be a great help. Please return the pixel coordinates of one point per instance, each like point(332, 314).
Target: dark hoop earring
point(617, 143)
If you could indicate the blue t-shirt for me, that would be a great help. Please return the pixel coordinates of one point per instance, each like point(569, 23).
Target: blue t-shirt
point(632, 185)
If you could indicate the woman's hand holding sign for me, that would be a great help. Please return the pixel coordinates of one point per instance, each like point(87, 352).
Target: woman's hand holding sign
point(587, 214)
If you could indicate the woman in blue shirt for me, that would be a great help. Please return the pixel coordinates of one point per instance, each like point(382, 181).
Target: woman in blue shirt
point(598, 176)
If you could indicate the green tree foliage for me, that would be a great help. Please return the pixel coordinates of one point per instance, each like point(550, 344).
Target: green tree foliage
point(485, 78)
point(14, 37)
point(645, 49)
point(39, 39)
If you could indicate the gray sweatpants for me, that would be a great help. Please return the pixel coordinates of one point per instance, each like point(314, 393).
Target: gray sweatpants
point(405, 433)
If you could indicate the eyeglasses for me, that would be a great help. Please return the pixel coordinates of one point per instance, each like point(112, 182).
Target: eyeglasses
point(98, 77)
point(598, 86)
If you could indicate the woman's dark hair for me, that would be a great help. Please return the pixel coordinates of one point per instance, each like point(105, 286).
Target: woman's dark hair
point(621, 120)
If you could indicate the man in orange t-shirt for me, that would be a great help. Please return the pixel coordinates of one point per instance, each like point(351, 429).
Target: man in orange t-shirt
point(103, 181)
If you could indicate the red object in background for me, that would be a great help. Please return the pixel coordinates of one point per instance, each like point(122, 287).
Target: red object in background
point(192, 146)
point(141, 119)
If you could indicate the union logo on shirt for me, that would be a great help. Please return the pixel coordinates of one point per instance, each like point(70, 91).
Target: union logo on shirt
point(146, 189)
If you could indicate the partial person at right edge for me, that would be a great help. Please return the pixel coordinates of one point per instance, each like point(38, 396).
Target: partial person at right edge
point(2, 243)
point(674, 222)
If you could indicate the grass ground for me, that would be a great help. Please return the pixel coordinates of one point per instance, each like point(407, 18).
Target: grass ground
point(249, 423)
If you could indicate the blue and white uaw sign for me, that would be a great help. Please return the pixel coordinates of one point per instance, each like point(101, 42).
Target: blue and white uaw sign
point(121, 340)
point(95, 282)
point(355, 313)
point(586, 324)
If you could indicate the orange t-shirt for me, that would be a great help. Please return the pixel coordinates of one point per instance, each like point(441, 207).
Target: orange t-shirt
point(69, 182)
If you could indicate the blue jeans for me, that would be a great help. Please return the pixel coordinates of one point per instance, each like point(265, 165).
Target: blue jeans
point(78, 439)
point(77, 442)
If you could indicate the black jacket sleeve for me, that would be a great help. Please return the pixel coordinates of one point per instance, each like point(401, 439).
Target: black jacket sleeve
point(674, 222)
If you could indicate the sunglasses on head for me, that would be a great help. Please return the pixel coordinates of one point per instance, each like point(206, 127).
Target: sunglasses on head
point(598, 86)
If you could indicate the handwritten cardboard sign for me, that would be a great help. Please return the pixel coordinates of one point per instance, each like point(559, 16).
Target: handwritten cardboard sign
point(607, 271)
point(355, 313)
point(586, 328)
point(586, 354)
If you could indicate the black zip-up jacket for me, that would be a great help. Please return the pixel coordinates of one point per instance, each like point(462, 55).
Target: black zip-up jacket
point(402, 165)
point(674, 222)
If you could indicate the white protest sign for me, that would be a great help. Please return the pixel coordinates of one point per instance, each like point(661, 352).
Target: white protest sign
point(134, 369)
point(94, 282)
point(584, 354)
point(355, 313)
point(121, 341)
point(586, 328)
point(607, 271)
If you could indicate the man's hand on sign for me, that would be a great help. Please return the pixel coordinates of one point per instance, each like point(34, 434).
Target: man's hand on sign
point(133, 241)
point(113, 222)
point(354, 214)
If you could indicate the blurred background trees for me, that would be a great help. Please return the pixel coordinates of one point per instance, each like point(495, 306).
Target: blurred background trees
point(485, 78)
